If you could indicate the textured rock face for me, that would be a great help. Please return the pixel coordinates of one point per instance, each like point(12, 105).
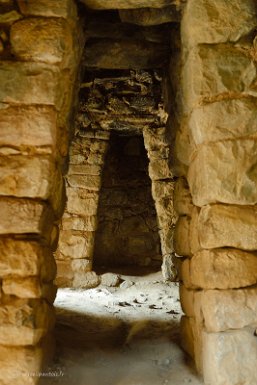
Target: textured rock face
point(120, 4)
point(215, 147)
point(37, 69)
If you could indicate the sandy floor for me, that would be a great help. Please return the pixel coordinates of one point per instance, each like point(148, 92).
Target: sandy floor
point(121, 336)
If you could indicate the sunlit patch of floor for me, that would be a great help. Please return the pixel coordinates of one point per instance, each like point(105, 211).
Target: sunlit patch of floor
point(127, 335)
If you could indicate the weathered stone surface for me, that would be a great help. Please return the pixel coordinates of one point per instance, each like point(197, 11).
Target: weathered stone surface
point(187, 336)
point(81, 265)
point(9, 17)
point(86, 280)
point(110, 279)
point(211, 71)
point(159, 169)
point(166, 237)
point(155, 139)
point(85, 169)
point(221, 310)
point(205, 22)
point(23, 128)
point(22, 364)
point(163, 189)
point(129, 54)
point(166, 215)
point(228, 226)
point(192, 334)
point(42, 39)
point(27, 176)
point(48, 8)
point(168, 267)
point(82, 202)
point(183, 147)
point(75, 244)
point(235, 183)
point(65, 274)
point(150, 16)
point(187, 300)
point(182, 237)
point(29, 288)
point(87, 151)
point(90, 182)
point(25, 258)
point(227, 119)
point(42, 80)
point(25, 321)
point(119, 4)
point(220, 269)
point(20, 216)
point(230, 357)
point(182, 198)
point(88, 223)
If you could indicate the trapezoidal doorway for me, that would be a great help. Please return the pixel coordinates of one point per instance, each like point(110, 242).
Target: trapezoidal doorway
point(127, 237)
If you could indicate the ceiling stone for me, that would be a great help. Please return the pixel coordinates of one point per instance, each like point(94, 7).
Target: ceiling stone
point(128, 4)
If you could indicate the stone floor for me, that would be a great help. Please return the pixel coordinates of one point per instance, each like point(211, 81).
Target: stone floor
point(127, 335)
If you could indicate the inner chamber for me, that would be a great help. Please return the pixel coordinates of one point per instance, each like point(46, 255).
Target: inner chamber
point(127, 234)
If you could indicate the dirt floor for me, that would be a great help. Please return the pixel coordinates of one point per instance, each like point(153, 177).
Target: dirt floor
point(125, 335)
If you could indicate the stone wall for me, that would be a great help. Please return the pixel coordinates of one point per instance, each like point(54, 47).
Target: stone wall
point(39, 52)
point(127, 224)
point(216, 193)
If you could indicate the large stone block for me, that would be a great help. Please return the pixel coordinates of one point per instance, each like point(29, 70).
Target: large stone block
point(90, 182)
point(163, 189)
point(212, 71)
point(150, 16)
point(208, 22)
point(226, 119)
point(25, 259)
point(23, 128)
point(42, 39)
point(27, 176)
point(29, 288)
point(88, 223)
point(75, 244)
point(228, 226)
point(166, 215)
point(221, 310)
point(59, 8)
point(182, 237)
point(182, 198)
point(224, 172)
point(25, 216)
point(159, 169)
point(24, 321)
point(42, 80)
point(191, 340)
point(220, 269)
point(230, 357)
point(82, 202)
point(23, 365)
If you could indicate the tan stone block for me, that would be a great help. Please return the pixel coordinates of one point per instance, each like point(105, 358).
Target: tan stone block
point(150, 16)
point(29, 288)
point(84, 169)
point(44, 82)
point(10, 17)
point(23, 128)
point(210, 71)
point(59, 8)
point(230, 357)
point(187, 336)
point(88, 223)
point(166, 214)
point(82, 202)
point(228, 226)
point(24, 321)
point(89, 182)
point(22, 365)
point(81, 265)
point(42, 39)
point(154, 139)
point(182, 237)
point(86, 280)
point(205, 22)
point(20, 258)
point(224, 172)
point(220, 269)
point(27, 176)
point(162, 189)
point(184, 147)
point(226, 119)
point(194, 231)
point(192, 340)
point(160, 169)
point(187, 300)
point(75, 244)
point(21, 216)
point(65, 274)
point(221, 310)
point(182, 198)
point(166, 237)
